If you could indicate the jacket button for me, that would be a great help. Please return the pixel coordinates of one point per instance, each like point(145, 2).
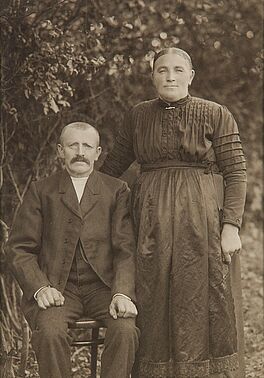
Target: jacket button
point(70, 220)
point(65, 241)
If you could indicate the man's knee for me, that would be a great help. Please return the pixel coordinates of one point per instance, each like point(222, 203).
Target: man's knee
point(49, 328)
point(50, 332)
point(124, 329)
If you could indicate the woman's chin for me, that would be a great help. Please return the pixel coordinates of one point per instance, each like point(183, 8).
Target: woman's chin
point(172, 98)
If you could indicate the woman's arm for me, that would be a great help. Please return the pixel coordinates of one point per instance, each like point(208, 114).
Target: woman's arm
point(231, 161)
point(122, 155)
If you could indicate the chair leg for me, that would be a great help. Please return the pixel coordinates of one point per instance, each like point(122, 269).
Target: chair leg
point(94, 352)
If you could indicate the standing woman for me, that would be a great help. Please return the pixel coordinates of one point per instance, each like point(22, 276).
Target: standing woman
point(187, 226)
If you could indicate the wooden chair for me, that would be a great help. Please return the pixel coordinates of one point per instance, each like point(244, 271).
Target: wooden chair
point(93, 342)
point(83, 323)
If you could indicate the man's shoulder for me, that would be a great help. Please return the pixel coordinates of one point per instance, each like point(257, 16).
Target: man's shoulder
point(110, 181)
point(46, 183)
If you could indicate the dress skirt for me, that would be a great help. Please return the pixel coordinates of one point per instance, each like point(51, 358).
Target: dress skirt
point(186, 295)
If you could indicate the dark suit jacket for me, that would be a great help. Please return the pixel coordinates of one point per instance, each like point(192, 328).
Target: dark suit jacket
point(50, 223)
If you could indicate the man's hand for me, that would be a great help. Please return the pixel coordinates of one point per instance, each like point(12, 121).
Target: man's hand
point(230, 242)
point(121, 307)
point(49, 296)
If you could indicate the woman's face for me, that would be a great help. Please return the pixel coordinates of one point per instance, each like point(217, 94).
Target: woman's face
point(172, 75)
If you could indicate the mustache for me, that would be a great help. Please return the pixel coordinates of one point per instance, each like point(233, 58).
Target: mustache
point(80, 158)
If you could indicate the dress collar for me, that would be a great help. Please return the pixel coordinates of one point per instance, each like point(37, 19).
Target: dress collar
point(176, 104)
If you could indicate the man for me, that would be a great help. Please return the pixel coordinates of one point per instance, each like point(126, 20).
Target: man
point(72, 251)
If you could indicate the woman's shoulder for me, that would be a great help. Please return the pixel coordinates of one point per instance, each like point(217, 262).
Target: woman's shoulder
point(212, 105)
point(145, 105)
point(198, 101)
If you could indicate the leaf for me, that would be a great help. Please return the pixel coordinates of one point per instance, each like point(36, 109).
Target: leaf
point(53, 105)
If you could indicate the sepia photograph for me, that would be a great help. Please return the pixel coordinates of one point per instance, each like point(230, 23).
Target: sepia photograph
point(131, 189)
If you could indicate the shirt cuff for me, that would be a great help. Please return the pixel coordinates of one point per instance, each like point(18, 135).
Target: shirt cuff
point(36, 293)
point(122, 295)
point(235, 222)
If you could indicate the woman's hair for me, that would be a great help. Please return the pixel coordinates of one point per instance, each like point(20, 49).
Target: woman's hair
point(173, 50)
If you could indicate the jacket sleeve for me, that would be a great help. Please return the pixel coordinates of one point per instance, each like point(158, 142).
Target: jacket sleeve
point(231, 162)
point(24, 245)
point(123, 245)
point(122, 154)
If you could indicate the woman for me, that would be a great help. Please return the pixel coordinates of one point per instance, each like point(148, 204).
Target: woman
point(186, 236)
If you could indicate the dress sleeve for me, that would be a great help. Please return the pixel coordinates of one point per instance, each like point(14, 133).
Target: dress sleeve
point(122, 154)
point(231, 162)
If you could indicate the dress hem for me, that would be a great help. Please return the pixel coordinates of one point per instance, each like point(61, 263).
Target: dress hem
point(199, 369)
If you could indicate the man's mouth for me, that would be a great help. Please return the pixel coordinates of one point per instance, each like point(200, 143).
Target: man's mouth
point(80, 160)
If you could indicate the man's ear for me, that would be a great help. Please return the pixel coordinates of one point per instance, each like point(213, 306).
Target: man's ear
point(60, 151)
point(98, 151)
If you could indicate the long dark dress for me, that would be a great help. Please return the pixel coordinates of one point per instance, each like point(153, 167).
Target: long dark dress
point(186, 307)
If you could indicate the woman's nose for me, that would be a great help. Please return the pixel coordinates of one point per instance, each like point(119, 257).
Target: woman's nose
point(170, 76)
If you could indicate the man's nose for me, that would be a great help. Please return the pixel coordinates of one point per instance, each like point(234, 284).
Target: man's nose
point(80, 150)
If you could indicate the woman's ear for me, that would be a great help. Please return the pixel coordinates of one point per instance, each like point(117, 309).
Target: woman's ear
point(192, 76)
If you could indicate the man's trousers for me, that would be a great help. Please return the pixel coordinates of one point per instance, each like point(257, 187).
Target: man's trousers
point(86, 295)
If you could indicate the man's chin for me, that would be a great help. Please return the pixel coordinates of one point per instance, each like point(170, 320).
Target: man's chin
point(80, 170)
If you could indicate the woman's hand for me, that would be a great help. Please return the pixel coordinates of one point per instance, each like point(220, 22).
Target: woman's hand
point(230, 242)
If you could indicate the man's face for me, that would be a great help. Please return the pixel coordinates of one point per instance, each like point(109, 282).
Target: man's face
point(79, 149)
point(171, 76)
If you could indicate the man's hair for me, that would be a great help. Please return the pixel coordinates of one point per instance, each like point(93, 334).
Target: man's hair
point(79, 126)
point(173, 50)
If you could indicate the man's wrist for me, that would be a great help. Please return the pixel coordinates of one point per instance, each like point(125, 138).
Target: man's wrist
point(121, 295)
point(41, 288)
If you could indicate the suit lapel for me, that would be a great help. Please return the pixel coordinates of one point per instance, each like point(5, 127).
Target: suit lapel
point(69, 197)
point(91, 193)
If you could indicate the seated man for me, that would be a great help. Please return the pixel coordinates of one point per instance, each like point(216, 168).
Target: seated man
point(72, 252)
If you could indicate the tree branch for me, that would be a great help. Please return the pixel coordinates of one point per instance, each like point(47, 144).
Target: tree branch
point(36, 162)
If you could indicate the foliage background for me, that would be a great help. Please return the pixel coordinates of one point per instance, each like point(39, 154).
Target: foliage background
point(90, 60)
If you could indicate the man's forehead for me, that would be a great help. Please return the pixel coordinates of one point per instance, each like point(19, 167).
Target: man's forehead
point(83, 135)
point(79, 131)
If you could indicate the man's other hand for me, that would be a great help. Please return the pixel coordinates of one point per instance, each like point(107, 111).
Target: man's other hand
point(121, 307)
